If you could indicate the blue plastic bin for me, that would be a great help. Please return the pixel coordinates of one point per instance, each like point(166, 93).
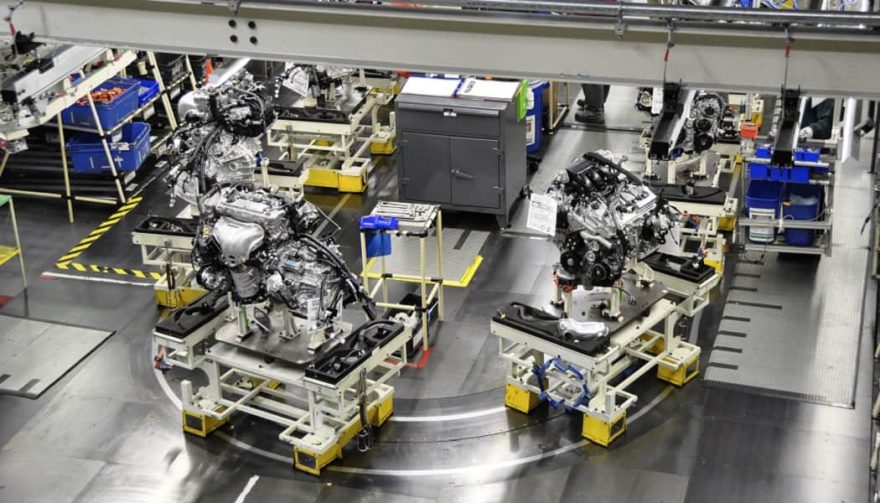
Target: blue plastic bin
point(763, 151)
point(110, 114)
point(87, 153)
point(765, 194)
point(779, 174)
point(801, 237)
point(535, 115)
point(147, 90)
point(807, 155)
point(758, 171)
point(799, 174)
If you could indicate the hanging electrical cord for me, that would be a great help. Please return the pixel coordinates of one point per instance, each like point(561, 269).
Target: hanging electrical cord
point(788, 42)
point(669, 45)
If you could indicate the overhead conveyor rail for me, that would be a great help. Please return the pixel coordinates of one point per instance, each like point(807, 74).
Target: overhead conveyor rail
point(833, 54)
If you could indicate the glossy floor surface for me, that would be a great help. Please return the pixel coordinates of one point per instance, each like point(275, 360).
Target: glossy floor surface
point(109, 430)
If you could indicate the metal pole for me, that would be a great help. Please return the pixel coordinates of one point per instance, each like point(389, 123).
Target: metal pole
point(3, 163)
point(166, 101)
point(440, 302)
point(612, 12)
point(424, 288)
point(64, 168)
point(17, 242)
point(364, 273)
point(189, 69)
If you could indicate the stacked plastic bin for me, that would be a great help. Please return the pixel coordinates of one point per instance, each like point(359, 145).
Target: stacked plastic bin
point(774, 189)
point(129, 146)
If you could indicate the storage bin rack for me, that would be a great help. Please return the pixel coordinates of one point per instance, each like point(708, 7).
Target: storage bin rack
point(810, 169)
point(104, 135)
point(113, 65)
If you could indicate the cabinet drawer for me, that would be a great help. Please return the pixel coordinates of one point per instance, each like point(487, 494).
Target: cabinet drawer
point(457, 121)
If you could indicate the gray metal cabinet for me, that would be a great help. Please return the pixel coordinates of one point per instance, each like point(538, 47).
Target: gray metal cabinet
point(465, 155)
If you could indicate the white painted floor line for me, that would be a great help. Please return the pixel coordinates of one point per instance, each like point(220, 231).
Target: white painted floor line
point(247, 489)
point(428, 472)
point(96, 279)
point(448, 417)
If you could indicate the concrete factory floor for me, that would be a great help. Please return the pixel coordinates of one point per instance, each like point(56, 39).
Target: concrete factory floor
point(109, 430)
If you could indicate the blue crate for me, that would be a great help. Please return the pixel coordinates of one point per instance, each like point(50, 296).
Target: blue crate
point(110, 114)
point(779, 174)
point(799, 174)
point(765, 194)
point(803, 211)
point(763, 151)
point(758, 171)
point(147, 90)
point(807, 155)
point(87, 153)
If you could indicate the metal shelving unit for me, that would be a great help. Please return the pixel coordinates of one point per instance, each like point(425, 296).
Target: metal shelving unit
point(121, 181)
point(822, 244)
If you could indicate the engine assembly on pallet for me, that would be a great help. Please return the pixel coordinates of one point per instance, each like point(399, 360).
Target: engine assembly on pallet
point(219, 141)
point(609, 227)
point(257, 245)
point(269, 333)
point(607, 221)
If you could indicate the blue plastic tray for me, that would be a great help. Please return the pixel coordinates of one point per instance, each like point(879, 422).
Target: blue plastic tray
point(87, 153)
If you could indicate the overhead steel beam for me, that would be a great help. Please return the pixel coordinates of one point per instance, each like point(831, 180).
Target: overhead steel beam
point(715, 56)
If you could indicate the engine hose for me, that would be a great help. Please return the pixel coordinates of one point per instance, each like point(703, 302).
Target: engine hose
point(608, 162)
point(358, 292)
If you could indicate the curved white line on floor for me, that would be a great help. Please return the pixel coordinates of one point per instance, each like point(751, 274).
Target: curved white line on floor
point(428, 472)
point(510, 463)
point(447, 417)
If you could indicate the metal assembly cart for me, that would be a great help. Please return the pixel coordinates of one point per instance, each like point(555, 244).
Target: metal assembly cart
point(332, 147)
point(9, 252)
point(766, 229)
point(416, 221)
point(584, 375)
point(319, 406)
point(167, 243)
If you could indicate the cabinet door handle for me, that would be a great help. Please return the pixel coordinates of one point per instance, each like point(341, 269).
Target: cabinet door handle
point(462, 174)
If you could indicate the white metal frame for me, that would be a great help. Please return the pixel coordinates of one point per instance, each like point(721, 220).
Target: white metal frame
point(302, 140)
point(313, 413)
point(606, 402)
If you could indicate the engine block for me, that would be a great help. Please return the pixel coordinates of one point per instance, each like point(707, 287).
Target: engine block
point(606, 217)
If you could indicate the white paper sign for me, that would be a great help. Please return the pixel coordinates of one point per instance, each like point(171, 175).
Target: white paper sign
point(542, 214)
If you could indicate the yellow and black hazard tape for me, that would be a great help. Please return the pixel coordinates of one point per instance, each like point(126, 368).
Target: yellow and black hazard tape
point(66, 262)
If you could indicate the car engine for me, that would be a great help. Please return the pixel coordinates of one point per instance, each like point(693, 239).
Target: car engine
point(258, 245)
point(607, 219)
point(704, 122)
point(219, 142)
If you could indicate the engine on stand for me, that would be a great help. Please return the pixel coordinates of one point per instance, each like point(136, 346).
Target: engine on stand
point(257, 245)
point(586, 356)
point(269, 333)
point(607, 222)
point(219, 142)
